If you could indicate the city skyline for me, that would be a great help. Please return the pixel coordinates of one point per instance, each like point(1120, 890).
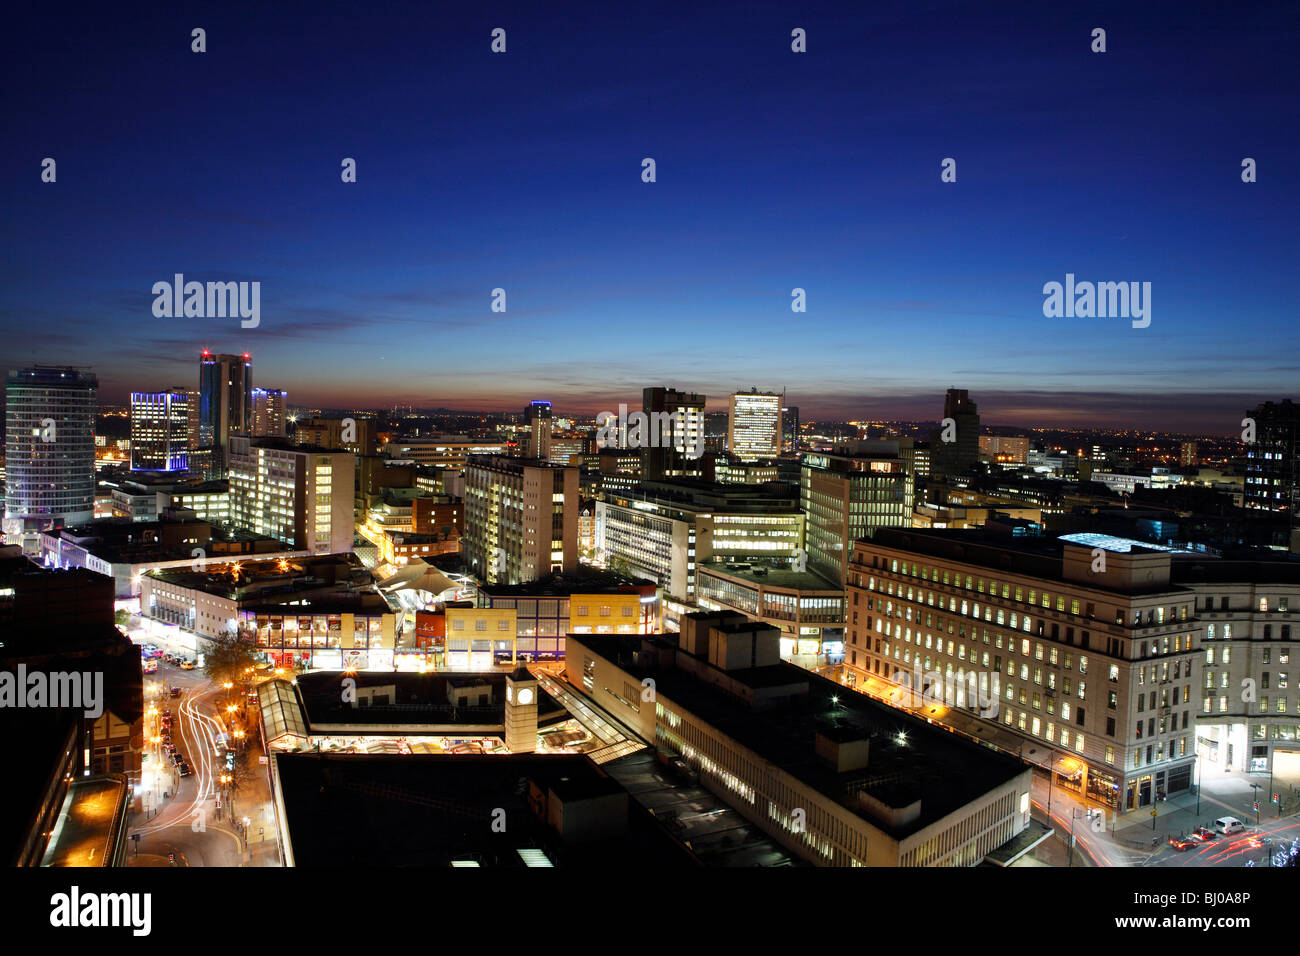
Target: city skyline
point(655, 440)
point(775, 172)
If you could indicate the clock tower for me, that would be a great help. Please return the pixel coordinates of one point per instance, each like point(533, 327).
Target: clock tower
point(521, 712)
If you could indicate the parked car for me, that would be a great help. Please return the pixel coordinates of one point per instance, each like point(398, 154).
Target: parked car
point(176, 692)
point(187, 665)
point(184, 769)
point(1228, 826)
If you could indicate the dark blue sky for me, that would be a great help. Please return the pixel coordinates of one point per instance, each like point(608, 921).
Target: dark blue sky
point(775, 170)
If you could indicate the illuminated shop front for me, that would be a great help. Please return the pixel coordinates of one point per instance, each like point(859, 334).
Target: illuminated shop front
point(329, 640)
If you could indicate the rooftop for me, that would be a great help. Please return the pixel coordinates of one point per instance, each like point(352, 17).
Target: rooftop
point(434, 810)
point(415, 699)
point(909, 757)
point(239, 576)
point(772, 577)
point(585, 580)
point(1031, 556)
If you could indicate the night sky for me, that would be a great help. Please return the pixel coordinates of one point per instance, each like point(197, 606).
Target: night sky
point(775, 170)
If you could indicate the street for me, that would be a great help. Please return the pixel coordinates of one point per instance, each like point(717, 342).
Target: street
point(190, 820)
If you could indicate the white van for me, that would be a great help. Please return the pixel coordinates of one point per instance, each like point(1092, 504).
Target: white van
point(1228, 825)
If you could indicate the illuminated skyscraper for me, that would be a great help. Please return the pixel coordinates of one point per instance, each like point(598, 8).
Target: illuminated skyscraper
point(160, 430)
point(269, 412)
point(754, 427)
point(49, 449)
point(225, 403)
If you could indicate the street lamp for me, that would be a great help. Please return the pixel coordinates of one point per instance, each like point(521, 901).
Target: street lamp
point(1074, 812)
point(1198, 784)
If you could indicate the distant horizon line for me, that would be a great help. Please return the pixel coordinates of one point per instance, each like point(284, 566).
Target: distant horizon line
point(424, 410)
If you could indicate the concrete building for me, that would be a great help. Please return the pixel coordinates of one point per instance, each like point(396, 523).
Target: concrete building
point(1004, 450)
point(1248, 609)
point(674, 447)
point(849, 496)
point(568, 446)
point(49, 451)
point(664, 530)
point(300, 495)
point(806, 608)
point(728, 470)
point(955, 447)
point(271, 599)
point(1083, 653)
point(754, 425)
point(790, 429)
point(836, 778)
point(521, 518)
point(444, 451)
point(537, 418)
point(125, 550)
point(357, 435)
point(1272, 460)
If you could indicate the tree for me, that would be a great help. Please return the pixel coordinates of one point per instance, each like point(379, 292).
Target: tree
point(122, 618)
point(228, 657)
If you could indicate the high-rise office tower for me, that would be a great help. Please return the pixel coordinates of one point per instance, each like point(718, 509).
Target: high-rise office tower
point(955, 447)
point(538, 418)
point(49, 449)
point(303, 496)
point(672, 445)
point(1272, 460)
point(269, 412)
point(849, 496)
point(1187, 455)
point(192, 403)
point(225, 401)
point(754, 425)
point(790, 428)
point(160, 430)
point(521, 519)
